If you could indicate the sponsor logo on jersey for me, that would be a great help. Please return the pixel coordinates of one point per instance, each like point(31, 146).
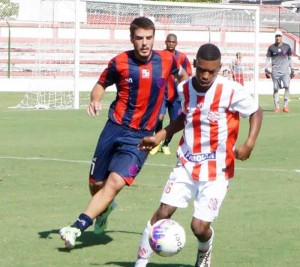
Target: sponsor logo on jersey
point(197, 158)
point(128, 80)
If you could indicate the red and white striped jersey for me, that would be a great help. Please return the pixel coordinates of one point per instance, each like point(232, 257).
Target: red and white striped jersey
point(206, 148)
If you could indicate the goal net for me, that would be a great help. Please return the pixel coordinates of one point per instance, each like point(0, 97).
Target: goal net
point(75, 39)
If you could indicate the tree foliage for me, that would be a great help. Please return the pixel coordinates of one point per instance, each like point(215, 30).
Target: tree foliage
point(8, 10)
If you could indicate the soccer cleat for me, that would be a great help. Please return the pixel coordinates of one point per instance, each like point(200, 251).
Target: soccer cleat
point(166, 150)
point(155, 149)
point(69, 235)
point(203, 258)
point(285, 109)
point(277, 109)
point(101, 220)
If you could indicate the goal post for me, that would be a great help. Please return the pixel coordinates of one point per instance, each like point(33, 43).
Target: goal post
point(71, 42)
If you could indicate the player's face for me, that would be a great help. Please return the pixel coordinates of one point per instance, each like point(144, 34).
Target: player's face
point(206, 73)
point(142, 41)
point(171, 44)
point(278, 39)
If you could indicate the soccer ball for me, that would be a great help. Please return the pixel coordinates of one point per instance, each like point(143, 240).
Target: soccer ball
point(167, 237)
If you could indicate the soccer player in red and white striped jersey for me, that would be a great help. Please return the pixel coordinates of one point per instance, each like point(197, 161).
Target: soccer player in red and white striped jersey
point(212, 106)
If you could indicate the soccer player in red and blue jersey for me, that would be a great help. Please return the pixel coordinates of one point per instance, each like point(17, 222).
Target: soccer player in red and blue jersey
point(140, 77)
point(171, 102)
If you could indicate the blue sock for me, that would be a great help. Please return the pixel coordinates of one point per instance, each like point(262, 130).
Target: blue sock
point(83, 222)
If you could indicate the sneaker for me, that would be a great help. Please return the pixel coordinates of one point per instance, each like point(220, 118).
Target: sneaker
point(101, 220)
point(166, 150)
point(203, 258)
point(155, 149)
point(141, 262)
point(277, 109)
point(285, 109)
point(69, 235)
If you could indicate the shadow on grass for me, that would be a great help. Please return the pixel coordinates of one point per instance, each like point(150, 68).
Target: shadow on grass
point(87, 239)
point(130, 264)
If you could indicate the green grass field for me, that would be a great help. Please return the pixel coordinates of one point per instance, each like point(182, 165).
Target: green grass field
point(44, 163)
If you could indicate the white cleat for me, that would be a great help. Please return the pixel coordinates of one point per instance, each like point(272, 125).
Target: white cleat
point(69, 235)
point(203, 258)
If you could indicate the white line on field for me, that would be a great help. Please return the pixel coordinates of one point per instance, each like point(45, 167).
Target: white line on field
point(148, 164)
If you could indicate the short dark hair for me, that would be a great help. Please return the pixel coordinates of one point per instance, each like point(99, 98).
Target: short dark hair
point(141, 22)
point(170, 35)
point(208, 52)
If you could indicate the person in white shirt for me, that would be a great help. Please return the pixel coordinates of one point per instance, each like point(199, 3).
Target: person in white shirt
point(212, 106)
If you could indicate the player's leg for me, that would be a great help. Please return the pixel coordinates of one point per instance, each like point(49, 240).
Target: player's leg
point(126, 162)
point(98, 175)
point(276, 87)
point(286, 83)
point(206, 208)
point(178, 190)
point(145, 251)
point(174, 110)
point(159, 126)
point(97, 205)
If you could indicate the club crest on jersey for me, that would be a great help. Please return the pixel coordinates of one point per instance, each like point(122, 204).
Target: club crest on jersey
point(197, 158)
point(145, 74)
point(213, 116)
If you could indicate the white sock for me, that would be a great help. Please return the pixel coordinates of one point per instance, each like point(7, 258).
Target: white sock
point(207, 245)
point(145, 251)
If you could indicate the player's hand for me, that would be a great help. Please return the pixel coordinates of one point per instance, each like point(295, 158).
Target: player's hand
point(94, 107)
point(243, 152)
point(148, 143)
point(267, 73)
point(292, 75)
point(268, 76)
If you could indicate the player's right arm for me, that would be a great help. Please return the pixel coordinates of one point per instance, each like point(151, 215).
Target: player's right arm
point(149, 142)
point(95, 103)
point(267, 71)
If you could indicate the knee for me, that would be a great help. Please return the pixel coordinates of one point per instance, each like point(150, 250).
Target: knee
point(163, 212)
point(95, 187)
point(201, 229)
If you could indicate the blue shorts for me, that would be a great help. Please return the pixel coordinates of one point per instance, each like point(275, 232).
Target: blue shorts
point(117, 151)
point(174, 108)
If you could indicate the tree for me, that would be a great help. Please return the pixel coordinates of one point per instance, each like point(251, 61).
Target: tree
point(8, 10)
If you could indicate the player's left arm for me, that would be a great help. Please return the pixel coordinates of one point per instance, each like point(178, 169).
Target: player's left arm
point(292, 73)
point(243, 151)
point(149, 142)
point(181, 75)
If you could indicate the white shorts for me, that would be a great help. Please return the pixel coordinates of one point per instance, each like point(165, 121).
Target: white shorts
point(208, 195)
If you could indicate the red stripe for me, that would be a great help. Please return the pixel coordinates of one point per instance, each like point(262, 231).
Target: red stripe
point(233, 121)
point(144, 91)
point(214, 130)
point(121, 106)
point(197, 134)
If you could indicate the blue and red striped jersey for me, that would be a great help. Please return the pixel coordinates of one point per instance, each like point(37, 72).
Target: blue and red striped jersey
point(171, 89)
point(140, 87)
